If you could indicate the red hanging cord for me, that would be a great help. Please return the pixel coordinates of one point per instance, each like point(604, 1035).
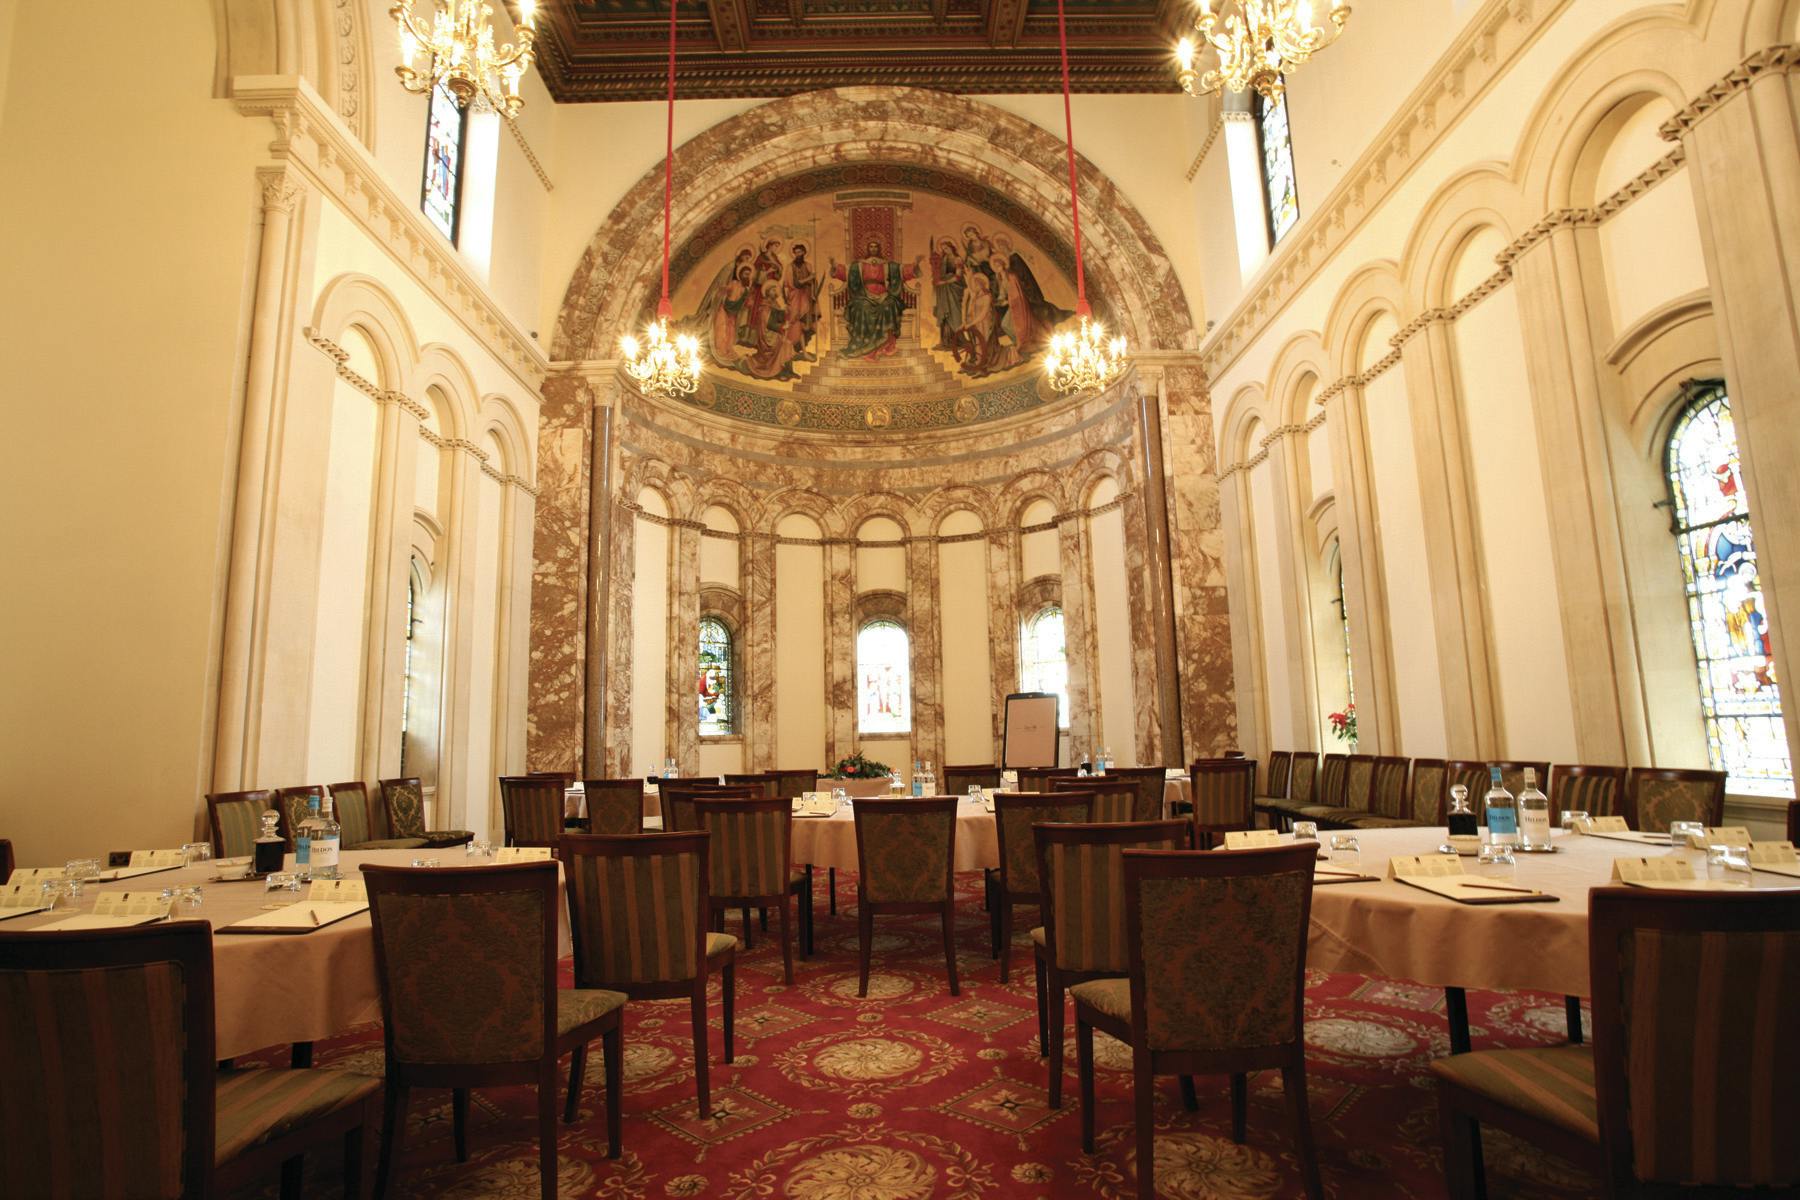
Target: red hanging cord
point(1062, 37)
point(664, 310)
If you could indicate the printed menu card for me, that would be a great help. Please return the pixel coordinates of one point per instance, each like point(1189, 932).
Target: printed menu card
point(116, 910)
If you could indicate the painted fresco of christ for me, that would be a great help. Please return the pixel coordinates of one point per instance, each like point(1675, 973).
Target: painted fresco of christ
point(873, 302)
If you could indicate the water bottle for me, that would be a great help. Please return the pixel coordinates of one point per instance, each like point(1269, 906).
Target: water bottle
point(918, 779)
point(1534, 814)
point(303, 839)
point(1502, 812)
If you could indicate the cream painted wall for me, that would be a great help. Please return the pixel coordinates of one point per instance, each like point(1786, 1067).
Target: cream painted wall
point(967, 674)
point(720, 758)
point(1277, 698)
point(719, 557)
point(880, 568)
point(1040, 552)
point(477, 805)
point(799, 645)
point(1651, 250)
point(650, 635)
point(1117, 726)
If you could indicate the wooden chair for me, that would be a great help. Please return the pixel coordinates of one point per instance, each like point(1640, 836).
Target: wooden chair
point(690, 781)
point(1512, 775)
point(1388, 795)
point(236, 820)
point(1470, 774)
point(1224, 793)
point(1114, 799)
point(1289, 790)
point(958, 780)
point(6, 859)
point(752, 864)
point(1334, 771)
point(1149, 782)
point(1082, 877)
point(356, 819)
point(907, 852)
point(1793, 832)
point(761, 780)
point(614, 806)
point(1037, 779)
point(294, 805)
point(532, 807)
point(1015, 813)
point(1688, 1086)
point(1658, 795)
point(678, 803)
point(1303, 777)
point(1275, 775)
point(402, 806)
point(112, 1088)
point(565, 776)
point(1595, 790)
point(637, 917)
point(792, 784)
point(1217, 946)
point(485, 1010)
point(1427, 798)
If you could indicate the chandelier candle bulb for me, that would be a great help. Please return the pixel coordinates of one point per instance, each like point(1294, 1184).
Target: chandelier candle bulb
point(458, 52)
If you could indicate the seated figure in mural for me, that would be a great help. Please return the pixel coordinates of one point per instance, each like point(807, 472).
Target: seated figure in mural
point(873, 300)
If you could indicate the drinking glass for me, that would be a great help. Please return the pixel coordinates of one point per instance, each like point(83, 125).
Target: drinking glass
point(182, 899)
point(1571, 819)
point(475, 846)
point(1499, 860)
point(1729, 865)
point(426, 862)
point(52, 892)
point(839, 797)
point(1306, 831)
point(1347, 845)
point(78, 871)
point(283, 881)
point(975, 793)
point(1683, 833)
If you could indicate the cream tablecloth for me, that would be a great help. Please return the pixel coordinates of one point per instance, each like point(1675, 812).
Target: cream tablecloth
point(272, 989)
point(831, 841)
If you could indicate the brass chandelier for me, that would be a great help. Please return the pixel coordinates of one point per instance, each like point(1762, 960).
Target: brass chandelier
point(454, 46)
point(1257, 42)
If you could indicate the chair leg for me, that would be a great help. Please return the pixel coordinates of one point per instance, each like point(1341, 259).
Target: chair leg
point(577, 1068)
point(1053, 1025)
point(1240, 1103)
point(547, 1134)
point(864, 932)
point(459, 1119)
point(1293, 1087)
point(1572, 1006)
point(762, 918)
point(359, 1179)
point(393, 1126)
point(700, 1055)
point(300, 1055)
point(293, 1172)
point(746, 914)
point(1456, 1015)
point(831, 885)
point(1462, 1152)
point(612, 1052)
point(1006, 936)
point(1190, 1099)
point(993, 907)
point(787, 943)
point(950, 945)
point(1084, 1067)
point(728, 989)
point(1043, 1004)
point(1144, 1092)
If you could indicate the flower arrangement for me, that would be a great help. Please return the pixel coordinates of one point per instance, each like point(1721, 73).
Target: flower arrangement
point(858, 766)
point(1343, 724)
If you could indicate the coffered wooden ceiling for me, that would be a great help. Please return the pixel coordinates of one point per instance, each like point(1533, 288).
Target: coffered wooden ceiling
point(618, 49)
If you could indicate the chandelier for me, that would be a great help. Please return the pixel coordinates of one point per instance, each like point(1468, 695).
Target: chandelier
point(454, 46)
point(663, 367)
point(1084, 361)
point(1257, 42)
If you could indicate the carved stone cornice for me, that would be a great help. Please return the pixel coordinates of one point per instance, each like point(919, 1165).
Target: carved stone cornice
point(1770, 60)
point(313, 142)
point(632, 508)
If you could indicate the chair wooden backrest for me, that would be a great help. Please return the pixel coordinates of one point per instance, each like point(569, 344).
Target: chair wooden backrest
point(350, 805)
point(403, 806)
point(1037, 779)
point(1472, 775)
point(1793, 832)
point(1218, 946)
point(760, 779)
point(906, 849)
point(1115, 799)
point(678, 803)
point(1275, 775)
point(614, 806)
point(1015, 813)
point(1224, 795)
point(294, 804)
point(532, 808)
point(1359, 782)
point(107, 1037)
point(6, 859)
point(1695, 1046)
point(1333, 773)
point(1303, 777)
point(1598, 791)
point(1082, 880)
point(637, 911)
point(1150, 783)
point(1426, 797)
point(488, 996)
point(236, 820)
point(690, 781)
point(1387, 794)
point(1658, 795)
point(1512, 775)
point(791, 784)
point(752, 846)
point(958, 780)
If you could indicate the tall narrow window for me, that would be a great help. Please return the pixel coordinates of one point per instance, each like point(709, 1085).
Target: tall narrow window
point(1343, 606)
point(1740, 701)
point(883, 678)
point(1044, 658)
point(445, 131)
point(718, 696)
point(1275, 143)
point(406, 669)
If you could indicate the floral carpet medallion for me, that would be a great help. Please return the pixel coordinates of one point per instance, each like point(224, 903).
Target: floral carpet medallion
point(915, 1094)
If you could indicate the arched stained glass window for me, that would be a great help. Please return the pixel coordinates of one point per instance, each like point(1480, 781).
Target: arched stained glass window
point(1044, 658)
point(1740, 701)
point(1343, 607)
point(883, 678)
point(1275, 145)
point(446, 130)
point(718, 698)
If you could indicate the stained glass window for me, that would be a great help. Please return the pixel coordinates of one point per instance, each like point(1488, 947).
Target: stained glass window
point(1044, 658)
point(1740, 701)
point(1275, 142)
point(444, 130)
point(1343, 605)
point(406, 676)
point(718, 700)
point(883, 678)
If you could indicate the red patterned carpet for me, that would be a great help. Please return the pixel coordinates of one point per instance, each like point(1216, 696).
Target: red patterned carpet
point(914, 1094)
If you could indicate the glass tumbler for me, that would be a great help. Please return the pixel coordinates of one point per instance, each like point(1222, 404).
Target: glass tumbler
point(1346, 847)
point(1306, 831)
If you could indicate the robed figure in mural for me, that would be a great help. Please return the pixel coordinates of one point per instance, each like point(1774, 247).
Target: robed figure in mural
point(873, 300)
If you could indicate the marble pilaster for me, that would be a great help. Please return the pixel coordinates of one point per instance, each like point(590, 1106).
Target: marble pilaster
point(1146, 708)
point(927, 652)
point(756, 684)
point(599, 615)
point(682, 714)
point(554, 722)
point(840, 656)
point(1003, 623)
point(618, 650)
point(1078, 634)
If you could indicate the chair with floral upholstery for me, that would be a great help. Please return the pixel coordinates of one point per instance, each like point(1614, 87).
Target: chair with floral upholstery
point(236, 820)
point(751, 858)
point(1083, 936)
point(959, 779)
point(1470, 774)
point(1658, 795)
point(112, 1089)
point(614, 806)
point(293, 805)
point(637, 917)
point(1688, 1088)
point(907, 852)
point(466, 962)
point(1217, 946)
point(1598, 791)
point(1114, 799)
point(532, 808)
point(356, 821)
point(1015, 813)
point(402, 805)
point(1224, 796)
point(1037, 779)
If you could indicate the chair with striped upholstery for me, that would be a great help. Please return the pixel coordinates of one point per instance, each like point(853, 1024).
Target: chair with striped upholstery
point(532, 807)
point(1224, 796)
point(614, 806)
point(761, 780)
point(1356, 793)
point(1598, 791)
point(907, 852)
point(1425, 799)
point(1303, 777)
point(1688, 1087)
point(112, 1089)
point(294, 804)
point(485, 1011)
point(1015, 814)
point(1082, 877)
point(1389, 796)
point(678, 802)
point(1274, 786)
point(236, 820)
point(1150, 782)
point(792, 784)
point(752, 864)
point(637, 918)
point(356, 819)
point(402, 806)
point(1299, 778)
point(1114, 799)
point(1334, 777)
point(1037, 779)
point(1658, 795)
point(1217, 983)
point(1512, 774)
point(958, 780)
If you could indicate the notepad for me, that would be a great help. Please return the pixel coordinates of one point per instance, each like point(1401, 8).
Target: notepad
point(338, 891)
point(1775, 858)
point(1721, 835)
point(1443, 875)
point(519, 854)
point(21, 899)
point(117, 910)
point(303, 917)
point(146, 862)
point(1664, 871)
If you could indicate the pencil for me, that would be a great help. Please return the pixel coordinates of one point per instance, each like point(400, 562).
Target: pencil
point(1495, 887)
point(314, 914)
